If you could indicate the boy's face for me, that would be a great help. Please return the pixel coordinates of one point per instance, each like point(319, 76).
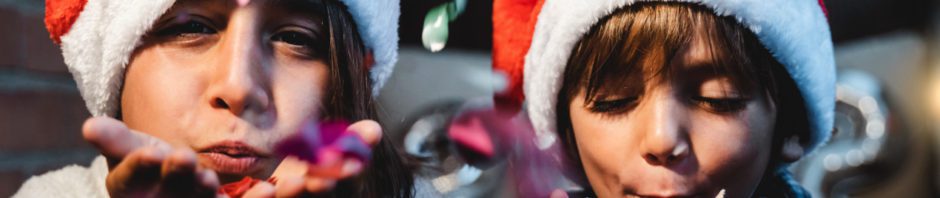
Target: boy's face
point(228, 81)
point(691, 135)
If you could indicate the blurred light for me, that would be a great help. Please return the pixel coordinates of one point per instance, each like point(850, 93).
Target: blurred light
point(854, 157)
point(868, 105)
point(870, 147)
point(832, 162)
point(875, 129)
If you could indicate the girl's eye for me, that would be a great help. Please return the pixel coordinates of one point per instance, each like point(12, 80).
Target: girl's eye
point(721, 105)
point(190, 28)
point(613, 106)
point(293, 38)
point(298, 43)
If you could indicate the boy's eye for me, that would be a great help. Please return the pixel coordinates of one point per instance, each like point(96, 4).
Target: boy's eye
point(721, 105)
point(614, 105)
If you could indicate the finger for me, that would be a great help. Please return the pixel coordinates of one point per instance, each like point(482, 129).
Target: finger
point(180, 176)
point(369, 130)
point(289, 187)
point(353, 146)
point(105, 133)
point(319, 185)
point(209, 178)
point(114, 139)
point(140, 170)
point(349, 167)
point(260, 190)
point(290, 166)
point(329, 166)
point(559, 193)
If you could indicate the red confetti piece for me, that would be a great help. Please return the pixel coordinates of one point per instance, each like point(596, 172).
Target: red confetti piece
point(239, 188)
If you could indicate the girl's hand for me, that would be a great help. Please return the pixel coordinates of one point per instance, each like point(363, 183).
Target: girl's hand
point(296, 177)
point(144, 166)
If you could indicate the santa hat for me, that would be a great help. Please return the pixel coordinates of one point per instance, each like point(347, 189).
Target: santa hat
point(97, 38)
point(796, 32)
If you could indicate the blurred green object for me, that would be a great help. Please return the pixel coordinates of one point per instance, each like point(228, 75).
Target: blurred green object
point(435, 31)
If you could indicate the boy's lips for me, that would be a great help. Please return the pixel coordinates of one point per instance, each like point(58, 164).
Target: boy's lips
point(232, 157)
point(669, 195)
point(676, 192)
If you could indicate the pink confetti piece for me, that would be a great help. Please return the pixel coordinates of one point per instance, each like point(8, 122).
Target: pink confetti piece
point(321, 142)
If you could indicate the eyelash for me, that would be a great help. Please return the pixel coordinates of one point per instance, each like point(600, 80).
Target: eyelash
point(188, 29)
point(613, 106)
point(300, 42)
point(721, 105)
point(293, 38)
point(718, 105)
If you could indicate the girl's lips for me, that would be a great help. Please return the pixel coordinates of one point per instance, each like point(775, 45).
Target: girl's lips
point(232, 158)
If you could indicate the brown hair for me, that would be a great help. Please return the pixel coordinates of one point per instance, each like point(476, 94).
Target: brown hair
point(644, 38)
point(349, 97)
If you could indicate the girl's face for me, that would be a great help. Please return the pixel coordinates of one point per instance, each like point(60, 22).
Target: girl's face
point(692, 134)
point(228, 80)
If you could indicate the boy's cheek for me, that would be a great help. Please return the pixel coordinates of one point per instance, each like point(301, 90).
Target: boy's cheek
point(735, 153)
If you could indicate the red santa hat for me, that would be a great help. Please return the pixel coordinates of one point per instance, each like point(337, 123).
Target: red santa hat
point(534, 44)
point(97, 38)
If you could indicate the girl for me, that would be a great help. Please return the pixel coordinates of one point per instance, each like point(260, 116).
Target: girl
point(214, 85)
point(675, 98)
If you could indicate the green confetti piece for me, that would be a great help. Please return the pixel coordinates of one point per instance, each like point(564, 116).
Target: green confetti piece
point(434, 34)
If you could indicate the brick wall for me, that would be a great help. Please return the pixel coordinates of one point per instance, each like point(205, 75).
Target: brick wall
point(41, 111)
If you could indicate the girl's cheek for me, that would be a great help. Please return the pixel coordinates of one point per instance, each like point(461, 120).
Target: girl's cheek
point(161, 94)
point(297, 90)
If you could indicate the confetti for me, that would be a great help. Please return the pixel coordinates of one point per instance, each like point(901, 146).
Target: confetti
point(313, 141)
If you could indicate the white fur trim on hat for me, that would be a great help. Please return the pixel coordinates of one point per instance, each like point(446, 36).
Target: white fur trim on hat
point(98, 45)
point(796, 32)
point(378, 24)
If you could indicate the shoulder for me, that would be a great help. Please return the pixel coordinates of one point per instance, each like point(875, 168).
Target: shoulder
point(71, 181)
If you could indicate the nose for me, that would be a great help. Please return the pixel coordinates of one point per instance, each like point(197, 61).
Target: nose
point(239, 72)
point(665, 139)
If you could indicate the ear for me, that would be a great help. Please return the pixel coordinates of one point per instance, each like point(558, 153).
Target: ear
point(792, 149)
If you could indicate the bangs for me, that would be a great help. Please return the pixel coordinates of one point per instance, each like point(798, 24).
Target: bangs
point(637, 45)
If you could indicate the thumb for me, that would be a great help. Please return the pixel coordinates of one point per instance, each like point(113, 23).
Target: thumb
point(369, 130)
point(558, 193)
point(114, 140)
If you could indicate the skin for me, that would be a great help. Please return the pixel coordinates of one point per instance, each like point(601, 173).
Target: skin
point(665, 140)
point(237, 73)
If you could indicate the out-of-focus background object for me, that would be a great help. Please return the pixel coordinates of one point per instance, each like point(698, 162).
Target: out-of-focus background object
point(41, 111)
point(865, 151)
point(435, 31)
point(895, 43)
